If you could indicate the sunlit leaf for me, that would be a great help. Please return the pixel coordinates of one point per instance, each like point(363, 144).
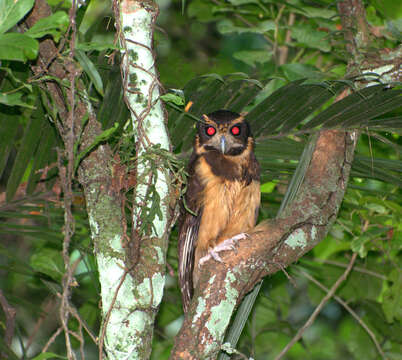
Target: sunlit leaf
point(54, 25)
point(49, 262)
point(14, 99)
point(98, 139)
point(18, 47)
point(175, 99)
point(12, 11)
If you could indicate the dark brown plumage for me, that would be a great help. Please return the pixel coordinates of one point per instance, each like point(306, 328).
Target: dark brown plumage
point(223, 191)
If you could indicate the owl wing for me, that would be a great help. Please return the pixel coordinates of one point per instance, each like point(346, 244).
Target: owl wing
point(188, 235)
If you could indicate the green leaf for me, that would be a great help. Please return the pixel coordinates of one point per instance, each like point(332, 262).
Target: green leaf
point(54, 25)
point(391, 9)
point(214, 76)
point(268, 187)
point(243, 2)
point(316, 12)
point(112, 108)
point(29, 142)
point(44, 155)
point(90, 313)
point(15, 78)
point(289, 106)
point(325, 249)
point(360, 244)
point(296, 71)
point(355, 338)
point(201, 10)
point(308, 36)
point(18, 47)
point(98, 139)
point(96, 46)
point(252, 57)
point(378, 321)
point(395, 27)
point(48, 355)
point(9, 127)
point(12, 11)
point(49, 262)
point(227, 27)
point(392, 297)
point(259, 115)
point(14, 100)
point(358, 107)
point(90, 70)
point(175, 99)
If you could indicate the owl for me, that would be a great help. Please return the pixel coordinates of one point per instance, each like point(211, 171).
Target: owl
point(223, 193)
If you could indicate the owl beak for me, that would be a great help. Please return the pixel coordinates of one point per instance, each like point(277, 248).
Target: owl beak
point(223, 144)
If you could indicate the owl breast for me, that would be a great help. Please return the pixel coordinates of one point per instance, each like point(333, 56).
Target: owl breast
point(230, 206)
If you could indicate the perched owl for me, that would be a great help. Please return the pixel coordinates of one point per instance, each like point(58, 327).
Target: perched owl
point(223, 192)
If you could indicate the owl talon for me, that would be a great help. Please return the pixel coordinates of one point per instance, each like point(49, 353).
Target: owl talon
point(228, 244)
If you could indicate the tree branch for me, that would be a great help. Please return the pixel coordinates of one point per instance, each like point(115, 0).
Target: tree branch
point(355, 28)
point(272, 246)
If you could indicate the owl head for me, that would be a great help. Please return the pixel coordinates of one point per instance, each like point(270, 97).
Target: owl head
point(225, 132)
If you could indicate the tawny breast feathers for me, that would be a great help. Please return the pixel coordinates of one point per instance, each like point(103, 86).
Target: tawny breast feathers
point(229, 206)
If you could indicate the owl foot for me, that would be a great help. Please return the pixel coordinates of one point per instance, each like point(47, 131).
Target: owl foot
point(228, 244)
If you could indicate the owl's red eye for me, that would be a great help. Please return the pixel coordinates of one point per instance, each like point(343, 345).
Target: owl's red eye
point(235, 130)
point(210, 130)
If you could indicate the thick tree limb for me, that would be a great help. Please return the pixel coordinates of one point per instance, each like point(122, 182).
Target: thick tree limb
point(272, 246)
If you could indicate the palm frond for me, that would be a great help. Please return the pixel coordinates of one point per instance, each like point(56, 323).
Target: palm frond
point(282, 121)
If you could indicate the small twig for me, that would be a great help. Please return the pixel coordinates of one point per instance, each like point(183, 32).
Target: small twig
point(371, 152)
point(47, 308)
point(291, 280)
point(284, 50)
point(82, 323)
point(276, 31)
point(66, 176)
point(52, 339)
point(357, 268)
point(10, 314)
point(349, 309)
point(107, 317)
point(318, 309)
